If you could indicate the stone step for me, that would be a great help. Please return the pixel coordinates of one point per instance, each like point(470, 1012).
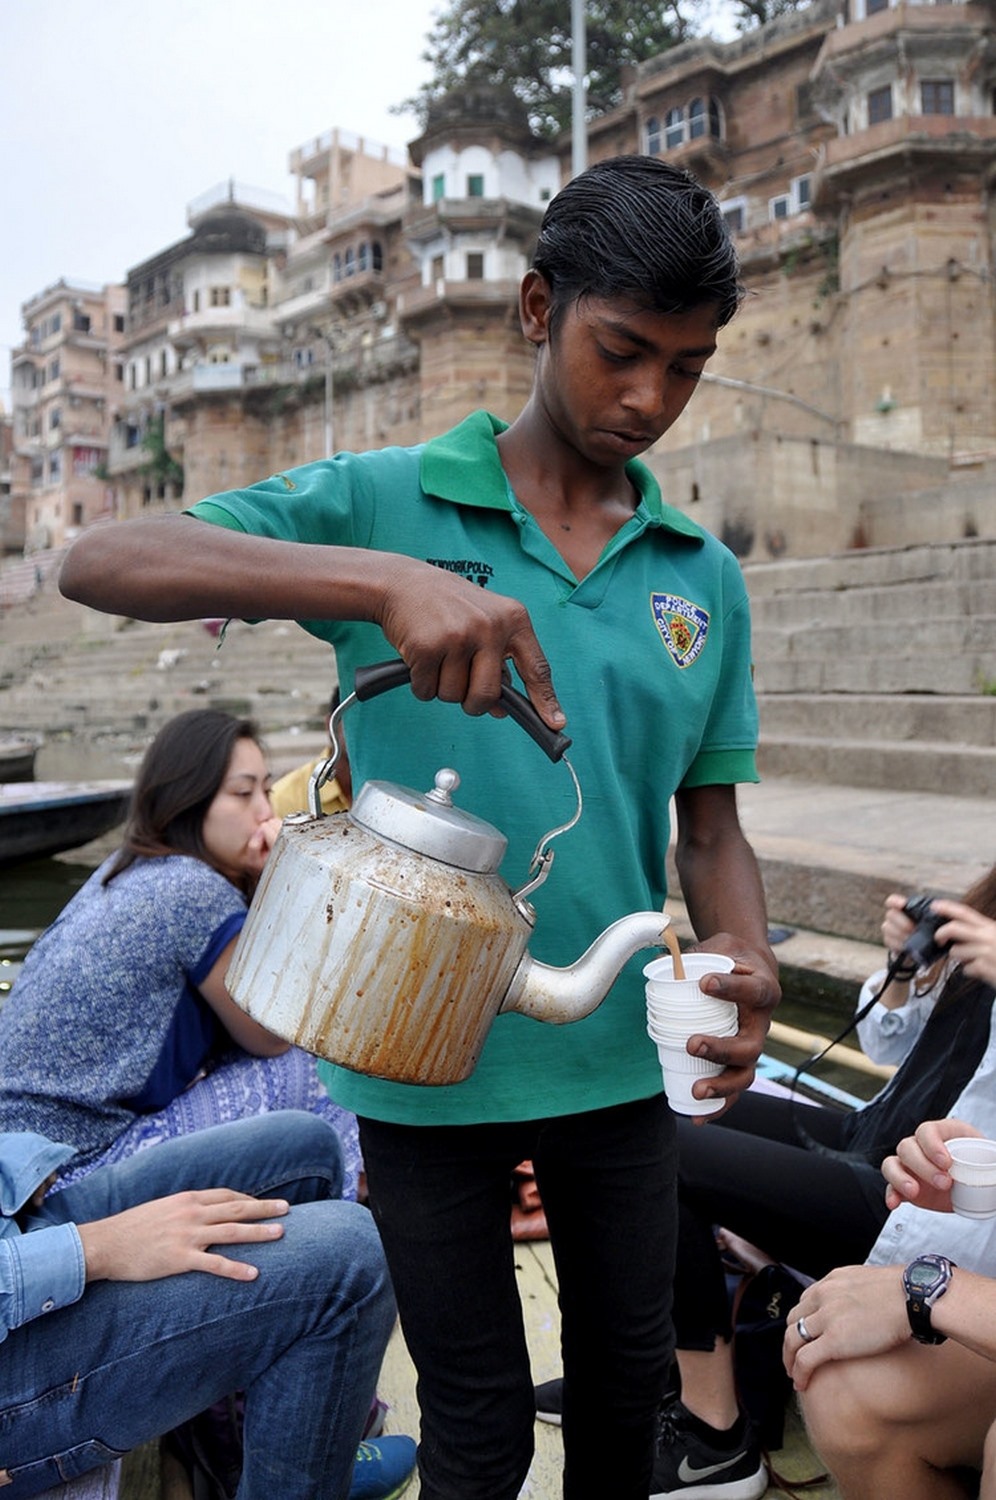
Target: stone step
point(958, 672)
point(961, 561)
point(917, 602)
point(968, 770)
point(923, 717)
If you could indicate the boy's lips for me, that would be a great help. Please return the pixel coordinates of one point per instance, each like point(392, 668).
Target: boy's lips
point(625, 438)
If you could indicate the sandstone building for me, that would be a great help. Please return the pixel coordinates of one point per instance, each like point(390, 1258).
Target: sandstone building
point(853, 399)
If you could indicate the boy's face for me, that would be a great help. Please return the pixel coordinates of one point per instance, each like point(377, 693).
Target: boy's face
point(614, 378)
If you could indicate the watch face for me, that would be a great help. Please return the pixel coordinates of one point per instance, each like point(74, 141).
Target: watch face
point(922, 1275)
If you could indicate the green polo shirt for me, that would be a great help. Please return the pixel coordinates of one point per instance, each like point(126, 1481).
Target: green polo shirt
point(651, 661)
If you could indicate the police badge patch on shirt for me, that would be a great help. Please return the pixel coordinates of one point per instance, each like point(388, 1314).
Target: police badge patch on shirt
point(683, 626)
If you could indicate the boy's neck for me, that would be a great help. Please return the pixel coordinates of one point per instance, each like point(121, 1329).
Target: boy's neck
point(577, 505)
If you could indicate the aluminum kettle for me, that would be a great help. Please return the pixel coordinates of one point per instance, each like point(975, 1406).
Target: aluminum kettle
point(384, 939)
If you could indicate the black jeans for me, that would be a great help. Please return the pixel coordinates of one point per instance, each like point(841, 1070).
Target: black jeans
point(751, 1172)
point(441, 1198)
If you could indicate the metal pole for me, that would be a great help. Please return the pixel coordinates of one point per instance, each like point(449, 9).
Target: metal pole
point(579, 63)
point(328, 396)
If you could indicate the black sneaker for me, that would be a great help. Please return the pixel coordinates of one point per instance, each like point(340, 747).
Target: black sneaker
point(694, 1459)
point(550, 1401)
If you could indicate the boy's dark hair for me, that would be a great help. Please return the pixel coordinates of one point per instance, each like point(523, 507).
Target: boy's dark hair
point(634, 227)
point(176, 783)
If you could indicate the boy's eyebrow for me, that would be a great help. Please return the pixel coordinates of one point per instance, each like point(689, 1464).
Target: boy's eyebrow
point(623, 329)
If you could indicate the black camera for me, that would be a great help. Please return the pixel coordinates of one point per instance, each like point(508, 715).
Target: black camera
point(921, 947)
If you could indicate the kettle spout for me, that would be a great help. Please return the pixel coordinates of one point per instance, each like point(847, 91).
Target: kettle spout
point(561, 995)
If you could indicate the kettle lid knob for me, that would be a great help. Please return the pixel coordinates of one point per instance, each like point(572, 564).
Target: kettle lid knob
point(447, 781)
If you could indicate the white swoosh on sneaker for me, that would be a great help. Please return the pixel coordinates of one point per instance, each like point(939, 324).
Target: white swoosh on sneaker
point(688, 1475)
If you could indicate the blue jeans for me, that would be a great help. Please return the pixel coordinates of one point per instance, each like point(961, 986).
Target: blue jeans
point(133, 1359)
point(442, 1199)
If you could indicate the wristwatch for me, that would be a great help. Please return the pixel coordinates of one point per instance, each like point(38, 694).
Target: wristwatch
point(925, 1280)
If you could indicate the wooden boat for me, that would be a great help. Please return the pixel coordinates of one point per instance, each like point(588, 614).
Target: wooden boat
point(17, 757)
point(39, 818)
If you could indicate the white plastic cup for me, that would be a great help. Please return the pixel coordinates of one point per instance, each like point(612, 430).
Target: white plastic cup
point(973, 1174)
point(678, 1080)
point(678, 1009)
point(696, 966)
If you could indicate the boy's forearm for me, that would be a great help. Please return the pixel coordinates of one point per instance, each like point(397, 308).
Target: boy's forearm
point(179, 567)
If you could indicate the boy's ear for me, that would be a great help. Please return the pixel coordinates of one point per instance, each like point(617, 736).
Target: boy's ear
point(535, 299)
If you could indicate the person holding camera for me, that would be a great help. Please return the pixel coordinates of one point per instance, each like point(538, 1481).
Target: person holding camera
point(803, 1182)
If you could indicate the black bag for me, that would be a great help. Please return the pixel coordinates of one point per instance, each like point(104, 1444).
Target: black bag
point(762, 1301)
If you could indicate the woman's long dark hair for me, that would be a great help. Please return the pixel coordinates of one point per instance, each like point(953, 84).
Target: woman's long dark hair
point(176, 784)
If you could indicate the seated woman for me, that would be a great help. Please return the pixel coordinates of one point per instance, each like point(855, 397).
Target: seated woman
point(803, 1183)
point(119, 1032)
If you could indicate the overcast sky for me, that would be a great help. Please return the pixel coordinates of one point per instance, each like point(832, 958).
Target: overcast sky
point(114, 115)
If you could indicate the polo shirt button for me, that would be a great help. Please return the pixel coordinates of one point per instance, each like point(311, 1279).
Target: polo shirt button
point(48, 1304)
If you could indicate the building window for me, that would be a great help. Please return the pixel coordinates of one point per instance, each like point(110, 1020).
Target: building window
point(221, 296)
point(653, 136)
point(37, 471)
point(734, 211)
point(55, 467)
point(54, 418)
point(196, 300)
point(349, 263)
point(119, 371)
point(363, 256)
point(163, 363)
point(674, 128)
point(937, 96)
point(795, 201)
point(56, 323)
point(53, 369)
point(438, 268)
point(880, 105)
point(81, 322)
point(475, 185)
point(77, 514)
point(696, 119)
point(337, 267)
point(377, 256)
point(872, 7)
point(438, 186)
point(475, 265)
point(119, 323)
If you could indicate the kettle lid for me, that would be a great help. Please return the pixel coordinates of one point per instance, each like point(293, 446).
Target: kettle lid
point(428, 823)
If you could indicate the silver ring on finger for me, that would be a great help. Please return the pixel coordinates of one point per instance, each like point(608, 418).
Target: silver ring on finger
point(804, 1332)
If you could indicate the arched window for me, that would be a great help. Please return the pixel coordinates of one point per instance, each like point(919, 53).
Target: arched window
point(696, 119)
point(378, 256)
point(337, 267)
point(349, 263)
point(653, 136)
point(715, 120)
point(363, 256)
point(674, 128)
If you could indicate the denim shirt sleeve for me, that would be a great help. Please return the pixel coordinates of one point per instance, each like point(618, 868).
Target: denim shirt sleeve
point(39, 1272)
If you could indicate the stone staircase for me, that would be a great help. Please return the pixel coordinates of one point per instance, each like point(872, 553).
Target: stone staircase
point(877, 668)
point(97, 687)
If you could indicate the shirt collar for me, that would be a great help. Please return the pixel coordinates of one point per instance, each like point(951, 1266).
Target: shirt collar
point(463, 466)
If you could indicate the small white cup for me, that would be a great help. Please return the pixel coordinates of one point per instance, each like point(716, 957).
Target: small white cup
point(678, 1088)
point(973, 1173)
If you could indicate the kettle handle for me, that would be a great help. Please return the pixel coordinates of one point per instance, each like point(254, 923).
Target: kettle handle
point(370, 682)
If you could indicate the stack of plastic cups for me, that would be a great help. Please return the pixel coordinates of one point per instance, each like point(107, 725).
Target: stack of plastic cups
point(678, 1009)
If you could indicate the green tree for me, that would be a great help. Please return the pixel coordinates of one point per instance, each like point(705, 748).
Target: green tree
point(523, 48)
